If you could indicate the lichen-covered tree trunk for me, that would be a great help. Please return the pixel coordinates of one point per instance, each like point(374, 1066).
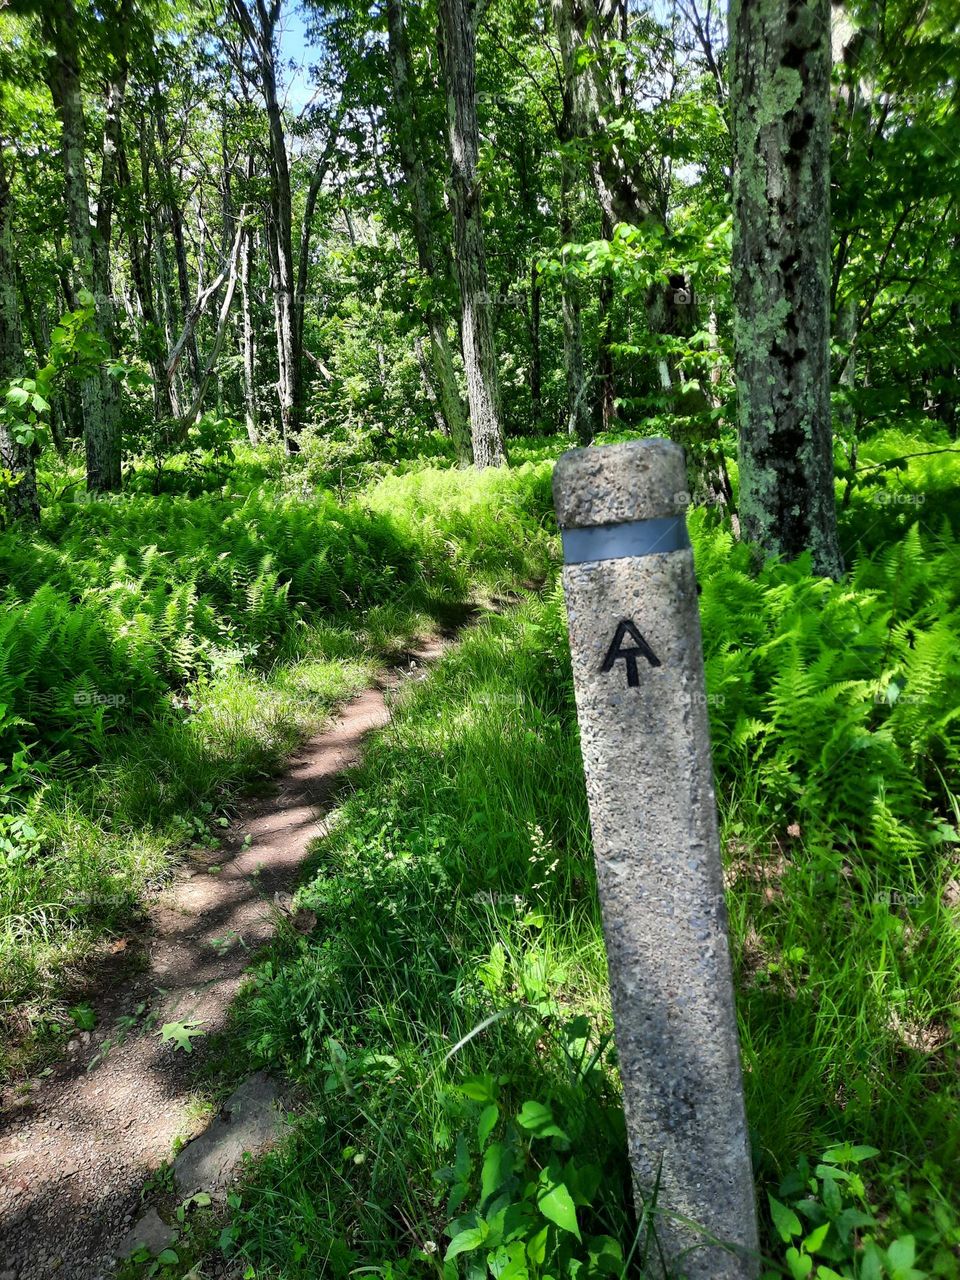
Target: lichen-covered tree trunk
point(780, 110)
point(19, 492)
point(458, 39)
point(101, 426)
point(422, 217)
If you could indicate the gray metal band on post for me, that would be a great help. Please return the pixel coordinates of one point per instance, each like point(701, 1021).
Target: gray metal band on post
point(633, 538)
point(637, 659)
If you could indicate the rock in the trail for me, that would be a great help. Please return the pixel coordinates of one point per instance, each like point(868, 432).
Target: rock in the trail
point(249, 1121)
point(151, 1232)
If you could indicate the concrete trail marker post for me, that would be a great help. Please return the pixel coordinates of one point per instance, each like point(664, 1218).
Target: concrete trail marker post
point(638, 673)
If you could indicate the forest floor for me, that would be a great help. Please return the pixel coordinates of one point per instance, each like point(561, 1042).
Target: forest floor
point(80, 1149)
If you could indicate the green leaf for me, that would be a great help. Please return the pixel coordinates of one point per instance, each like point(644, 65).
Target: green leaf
point(508, 1262)
point(538, 1118)
point(488, 1119)
point(492, 1175)
point(816, 1238)
point(785, 1220)
point(181, 1034)
point(478, 1088)
point(900, 1259)
point(850, 1220)
point(84, 1017)
point(537, 1247)
point(168, 1256)
point(556, 1204)
point(800, 1264)
point(605, 1254)
point(832, 1199)
point(871, 1267)
point(467, 1241)
point(848, 1153)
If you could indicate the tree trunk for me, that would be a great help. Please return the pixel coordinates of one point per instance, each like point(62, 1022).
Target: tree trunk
point(423, 216)
point(260, 34)
point(608, 407)
point(780, 110)
point(19, 491)
point(142, 276)
point(579, 424)
point(536, 356)
point(457, 25)
point(175, 222)
point(251, 409)
point(233, 270)
point(428, 388)
point(101, 430)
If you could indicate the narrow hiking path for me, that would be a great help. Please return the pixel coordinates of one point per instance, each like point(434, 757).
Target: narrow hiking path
point(76, 1150)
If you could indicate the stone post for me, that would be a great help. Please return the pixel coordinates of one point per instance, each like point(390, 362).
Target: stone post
point(638, 673)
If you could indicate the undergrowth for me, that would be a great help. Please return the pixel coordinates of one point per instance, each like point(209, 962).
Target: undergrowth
point(447, 1020)
point(158, 654)
point(455, 982)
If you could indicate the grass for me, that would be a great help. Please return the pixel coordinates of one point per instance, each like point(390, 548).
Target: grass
point(458, 939)
point(454, 989)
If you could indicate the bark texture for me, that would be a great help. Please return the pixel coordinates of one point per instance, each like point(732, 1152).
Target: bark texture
point(101, 427)
point(20, 498)
point(780, 109)
point(251, 408)
point(458, 37)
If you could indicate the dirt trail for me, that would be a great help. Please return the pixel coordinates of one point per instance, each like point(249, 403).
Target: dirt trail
point(75, 1153)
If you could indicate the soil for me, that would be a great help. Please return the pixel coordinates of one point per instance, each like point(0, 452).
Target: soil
point(77, 1148)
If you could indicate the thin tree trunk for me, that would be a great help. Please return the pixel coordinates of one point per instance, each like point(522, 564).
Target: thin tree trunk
point(142, 277)
point(175, 221)
point(457, 23)
point(282, 377)
point(536, 358)
point(18, 489)
point(608, 408)
point(226, 274)
point(428, 387)
point(101, 434)
point(233, 270)
point(579, 424)
point(780, 108)
point(260, 37)
point(251, 409)
point(422, 218)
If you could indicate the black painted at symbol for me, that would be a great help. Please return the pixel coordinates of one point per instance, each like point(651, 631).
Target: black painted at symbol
point(639, 649)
